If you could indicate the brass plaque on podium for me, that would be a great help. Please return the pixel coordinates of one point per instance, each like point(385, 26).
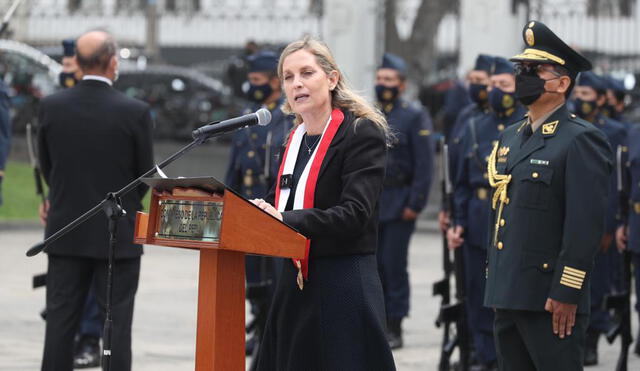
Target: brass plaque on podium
point(190, 220)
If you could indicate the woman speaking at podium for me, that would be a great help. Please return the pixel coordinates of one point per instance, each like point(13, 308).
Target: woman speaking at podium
point(328, 309)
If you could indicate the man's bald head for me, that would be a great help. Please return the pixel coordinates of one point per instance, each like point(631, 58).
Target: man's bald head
point(95, 51)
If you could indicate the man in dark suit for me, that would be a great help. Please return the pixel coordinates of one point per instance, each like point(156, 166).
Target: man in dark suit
point(92, 140)
point(406, 188)
point(550, 174)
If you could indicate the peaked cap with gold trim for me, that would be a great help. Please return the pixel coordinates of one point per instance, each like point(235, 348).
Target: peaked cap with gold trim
point(543, 46)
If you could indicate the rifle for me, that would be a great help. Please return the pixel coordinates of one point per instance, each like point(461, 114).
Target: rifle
point(39, 280)
point(37, 174)
point(451, 313)
point(620, 302)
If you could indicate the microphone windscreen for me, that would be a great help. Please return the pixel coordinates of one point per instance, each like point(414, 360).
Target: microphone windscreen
point(264, 116)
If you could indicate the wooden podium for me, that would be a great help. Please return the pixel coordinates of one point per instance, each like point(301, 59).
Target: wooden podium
point(200, 213)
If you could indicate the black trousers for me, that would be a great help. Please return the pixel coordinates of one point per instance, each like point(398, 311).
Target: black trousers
point(68, 283)
point(525, 341)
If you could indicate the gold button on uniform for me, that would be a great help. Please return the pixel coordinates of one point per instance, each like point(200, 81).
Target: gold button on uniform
point(535, 175)
point(250, 154)
point(502, 221)
point(500, 245)
point(545, 265)
point(500, 127)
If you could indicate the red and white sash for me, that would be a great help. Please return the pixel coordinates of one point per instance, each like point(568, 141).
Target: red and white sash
point(305, 190)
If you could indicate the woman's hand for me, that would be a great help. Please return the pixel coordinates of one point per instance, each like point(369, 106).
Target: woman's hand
point(264, 205)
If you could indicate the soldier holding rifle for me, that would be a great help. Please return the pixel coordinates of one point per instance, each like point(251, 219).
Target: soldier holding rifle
point(628, 232)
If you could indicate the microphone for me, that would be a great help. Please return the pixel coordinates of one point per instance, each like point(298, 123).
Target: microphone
point(261, 117)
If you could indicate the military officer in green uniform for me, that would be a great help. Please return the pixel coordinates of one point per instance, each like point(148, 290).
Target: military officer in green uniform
point(550, 176)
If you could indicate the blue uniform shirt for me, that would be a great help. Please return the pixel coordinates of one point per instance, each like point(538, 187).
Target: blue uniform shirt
point(633, 168)
point(254, 160)
point(472, 190)
point(471, 112)
point(616, 133)
point(409, 162)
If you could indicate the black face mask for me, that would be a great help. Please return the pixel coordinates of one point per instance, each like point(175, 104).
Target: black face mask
point(259, 93)
point(386, 94)
point(67, 79)
point(529, 88)
point(501, 102)
point(609, 111)
point(478, 93)
point(583, 108)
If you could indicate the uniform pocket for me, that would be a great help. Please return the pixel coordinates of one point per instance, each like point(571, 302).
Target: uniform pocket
point(535, 188)
point(543, 263)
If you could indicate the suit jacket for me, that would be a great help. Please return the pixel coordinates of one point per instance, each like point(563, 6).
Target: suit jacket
point(551, 226)
point(93, 140)
point(344, 219)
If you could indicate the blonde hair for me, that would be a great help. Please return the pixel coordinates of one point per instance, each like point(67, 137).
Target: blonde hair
point(342, 96)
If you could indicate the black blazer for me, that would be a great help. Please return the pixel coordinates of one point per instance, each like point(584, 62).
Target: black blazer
point(92, 140)
point(344, 219)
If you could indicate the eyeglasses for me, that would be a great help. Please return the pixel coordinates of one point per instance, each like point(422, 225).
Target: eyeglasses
point(530, 69)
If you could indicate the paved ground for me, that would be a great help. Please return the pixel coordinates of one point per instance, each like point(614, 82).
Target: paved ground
point(164, 323)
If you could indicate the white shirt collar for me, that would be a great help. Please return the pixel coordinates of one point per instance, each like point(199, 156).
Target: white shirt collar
point(98, 78)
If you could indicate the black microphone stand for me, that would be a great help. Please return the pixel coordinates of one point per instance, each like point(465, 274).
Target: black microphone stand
point(112, 207)
point(114, 211)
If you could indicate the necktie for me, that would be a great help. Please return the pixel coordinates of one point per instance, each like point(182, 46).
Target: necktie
point(526, 134)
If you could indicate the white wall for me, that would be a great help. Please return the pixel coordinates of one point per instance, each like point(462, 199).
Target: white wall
point(488, 27)
point(350, 30)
